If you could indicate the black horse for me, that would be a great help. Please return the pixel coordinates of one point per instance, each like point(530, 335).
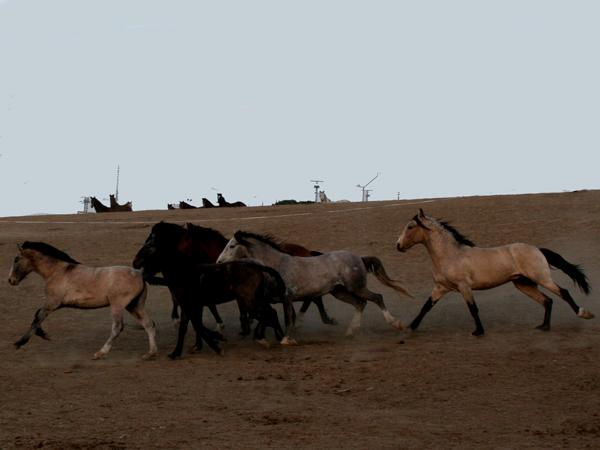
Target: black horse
point(253, 285)
point(206, 203)
point(225, 204)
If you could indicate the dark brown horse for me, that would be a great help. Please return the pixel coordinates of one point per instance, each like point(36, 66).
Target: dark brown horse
point(114, 206)
point(205, 245)
point(225, 204)
point(206, 203)
point(252, 284)
point(185, 205)
point(98, 206)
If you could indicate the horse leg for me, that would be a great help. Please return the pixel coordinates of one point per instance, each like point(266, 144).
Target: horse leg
point(36, 327)
point(213, 309)
point(529, 288)
point(318, 301)
point(358, 303)
point(467, 294)
point(566, 296)
point(181, 332)
point(117, 327)
point(174, 309)
point(378, 300)
point(142, 317)
point(290, 320)
point(437, 293)
point(244, 320)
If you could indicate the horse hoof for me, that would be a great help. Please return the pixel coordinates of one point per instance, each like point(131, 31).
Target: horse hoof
point(220, 327)
point(98, 355)
point(263, 343)
point(478, 333)
point(397, 325)
point(585, 314)
point(331, 321)
point(147, 356)
point(288, 341)
point(543, 327)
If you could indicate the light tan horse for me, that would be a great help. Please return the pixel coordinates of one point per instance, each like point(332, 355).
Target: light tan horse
point(70, 284)
point(460, 266)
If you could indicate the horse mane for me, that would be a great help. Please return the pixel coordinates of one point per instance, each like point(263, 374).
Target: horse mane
point(48, 250)
point(241, 236)
point(457, 235)
point(199, 232)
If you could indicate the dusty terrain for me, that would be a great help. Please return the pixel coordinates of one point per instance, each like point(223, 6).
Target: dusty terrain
point(516, 387)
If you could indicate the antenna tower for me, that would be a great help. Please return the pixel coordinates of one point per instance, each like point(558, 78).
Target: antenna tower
point(365, 191)
point(117, 189)
point(316, 186)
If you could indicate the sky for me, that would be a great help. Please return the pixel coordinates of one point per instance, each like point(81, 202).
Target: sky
point(254, 99)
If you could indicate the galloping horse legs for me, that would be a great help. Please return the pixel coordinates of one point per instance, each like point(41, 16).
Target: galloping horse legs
point(36, 327)
point(117, 327)
point(378, 300)
point(467, 294)
point(424, 310)
point(358, 303)
point(436, 294)
point(529, 288)
point(318, 301)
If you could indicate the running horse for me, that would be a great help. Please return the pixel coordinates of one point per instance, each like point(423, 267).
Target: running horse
point(196, 285)
point(458, 265)
point(340, 273)
point(225, 204)
point(70, 284)
point(204, 245)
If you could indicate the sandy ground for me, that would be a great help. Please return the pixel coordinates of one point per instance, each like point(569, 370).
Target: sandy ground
point(516, 387)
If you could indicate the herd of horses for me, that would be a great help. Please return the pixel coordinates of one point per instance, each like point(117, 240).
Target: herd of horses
point(201, 267)
point(206, 203)
point(99, 207)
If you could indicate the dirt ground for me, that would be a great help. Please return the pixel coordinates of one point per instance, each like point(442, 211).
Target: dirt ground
point(516, 387)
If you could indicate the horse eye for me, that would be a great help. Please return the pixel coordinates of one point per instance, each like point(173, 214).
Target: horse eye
point(410, 227)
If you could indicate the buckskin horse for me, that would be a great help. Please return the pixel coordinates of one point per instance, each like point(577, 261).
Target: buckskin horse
point(70, 284)
point(458, 265)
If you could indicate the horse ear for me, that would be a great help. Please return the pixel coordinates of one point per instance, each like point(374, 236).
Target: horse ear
point(20, 248)
point(421, 214)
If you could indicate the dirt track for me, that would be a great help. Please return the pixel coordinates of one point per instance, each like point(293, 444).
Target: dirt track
point(516, 387)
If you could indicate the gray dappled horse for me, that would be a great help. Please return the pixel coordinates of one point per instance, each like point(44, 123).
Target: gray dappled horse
point(340, 273)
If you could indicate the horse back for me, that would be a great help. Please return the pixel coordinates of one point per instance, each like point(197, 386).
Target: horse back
point(94, 287)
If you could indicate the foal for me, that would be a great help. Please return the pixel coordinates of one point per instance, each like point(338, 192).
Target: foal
point(460, 266)
point(70, 284)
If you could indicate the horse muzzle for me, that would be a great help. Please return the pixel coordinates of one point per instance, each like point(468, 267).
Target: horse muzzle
point(13, 281)
point(400, 248)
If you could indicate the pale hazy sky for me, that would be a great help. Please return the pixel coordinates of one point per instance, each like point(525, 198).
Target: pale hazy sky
point(256, 98)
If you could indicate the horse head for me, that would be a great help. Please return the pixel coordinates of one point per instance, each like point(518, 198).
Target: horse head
point(236, 248)
point(414, 231)
point(21, 267)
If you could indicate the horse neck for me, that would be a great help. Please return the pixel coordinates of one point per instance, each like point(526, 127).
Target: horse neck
point(268, 255)
point(441, 247)
point(46, 266)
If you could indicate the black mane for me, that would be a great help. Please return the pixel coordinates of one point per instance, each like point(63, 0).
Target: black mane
point(460, 238)
point(241, 236)
point(48, 250)
point(199, 232)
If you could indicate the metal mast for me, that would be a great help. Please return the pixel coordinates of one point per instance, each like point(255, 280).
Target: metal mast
point(316, 186)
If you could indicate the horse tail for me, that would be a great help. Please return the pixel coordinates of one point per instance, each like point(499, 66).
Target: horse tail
point(133, 304)
point(375, 266)
point(574, 271)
